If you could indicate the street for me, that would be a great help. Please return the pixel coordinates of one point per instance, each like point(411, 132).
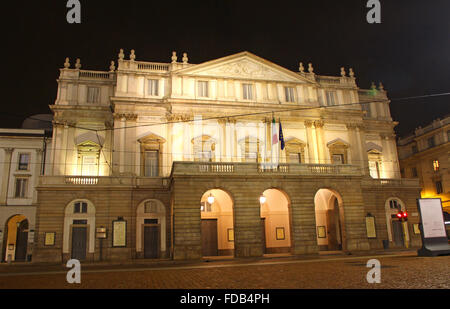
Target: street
point(398, 271)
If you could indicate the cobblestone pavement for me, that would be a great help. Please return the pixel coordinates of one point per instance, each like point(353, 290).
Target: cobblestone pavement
point(402, 271)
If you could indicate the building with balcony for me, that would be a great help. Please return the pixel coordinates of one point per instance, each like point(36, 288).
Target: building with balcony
point(179, 161)
point(424, 155)
point(23, 153)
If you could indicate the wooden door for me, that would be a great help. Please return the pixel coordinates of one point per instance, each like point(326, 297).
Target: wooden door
point(263, 235)
point(79, 239)
point(21, 242)
point(397, 233)
point(209, 237)
point(151, 242)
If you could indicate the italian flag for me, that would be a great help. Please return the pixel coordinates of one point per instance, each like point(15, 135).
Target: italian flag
point(274, 132)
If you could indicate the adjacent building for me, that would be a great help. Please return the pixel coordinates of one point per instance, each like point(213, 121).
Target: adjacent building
point(178, 161)
point(22, 155)
point(425, 155)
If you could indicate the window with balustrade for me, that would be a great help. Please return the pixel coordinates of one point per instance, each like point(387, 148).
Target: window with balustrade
point(250, 149)
point(151, 155)
point(338, 150)
point(295, 151)
point(88, 156)
point(204, 148)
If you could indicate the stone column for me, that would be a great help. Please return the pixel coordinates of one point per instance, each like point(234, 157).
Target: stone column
point(123, 124)
point(247, 222)
point(187, 145)
point(310, 141)
point(362, 149)
point(222, 142)
point(234, 145)
point(320, 141)
point(303, 237)
point(65, 150)
point(354, 148)
point(6, 174)
point(37, 171)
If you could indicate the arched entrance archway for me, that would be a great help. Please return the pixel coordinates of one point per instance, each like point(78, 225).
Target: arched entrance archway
point(79, 230)
point(329, 220)
point(217, 228)
point(151, 229)
point(275, 221)
point(397, 231)
point(15, 242)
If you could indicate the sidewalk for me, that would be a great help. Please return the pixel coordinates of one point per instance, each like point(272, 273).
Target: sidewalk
point(28, 268)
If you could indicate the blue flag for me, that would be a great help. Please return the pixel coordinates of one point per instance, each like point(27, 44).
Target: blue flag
point(280, 133)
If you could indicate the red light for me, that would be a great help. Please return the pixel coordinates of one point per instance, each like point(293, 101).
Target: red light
point(405, 214)
point(399, 215)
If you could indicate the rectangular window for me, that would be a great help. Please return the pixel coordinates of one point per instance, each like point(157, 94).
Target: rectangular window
point(21, 187)
point(24, 161)
point(431, 142)
point(151, 165)
point(89, 166)
point(338, 159)
point(247, 93)
point(203, 156)
point(436, 165)
point(295, 158)
point(251, 157)
point(414, 172)
point(80, 207)
point(202, 89)
point(366, 107)
point(82, 222)
point(331, 98)
point(93, 95)
point(150, 221)
point(374, 168)
point(439, 187)
point(153, 87)
point(205, 207)
point(289, 94)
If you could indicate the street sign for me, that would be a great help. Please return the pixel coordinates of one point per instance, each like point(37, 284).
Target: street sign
point(434, 236)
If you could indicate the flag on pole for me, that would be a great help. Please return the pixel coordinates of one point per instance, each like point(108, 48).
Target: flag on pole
point(274, 132)
point(281, 138)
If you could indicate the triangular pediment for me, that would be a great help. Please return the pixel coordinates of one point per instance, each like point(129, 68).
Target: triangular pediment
point(243, 66)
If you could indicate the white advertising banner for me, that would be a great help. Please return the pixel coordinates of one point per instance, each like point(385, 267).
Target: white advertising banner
point(432, 218)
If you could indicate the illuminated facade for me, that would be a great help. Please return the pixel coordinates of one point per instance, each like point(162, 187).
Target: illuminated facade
point(178, 160)
point(425, 155)
point(22, 156)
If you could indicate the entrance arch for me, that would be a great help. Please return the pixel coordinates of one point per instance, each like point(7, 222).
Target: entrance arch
point(329, 220)
point(397, 231)
point(151, 229)
point(79, 230)
point(217, 228)
point(15, 242)
point(275, 221)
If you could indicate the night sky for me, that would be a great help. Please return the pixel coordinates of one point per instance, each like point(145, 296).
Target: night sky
point(409, 51)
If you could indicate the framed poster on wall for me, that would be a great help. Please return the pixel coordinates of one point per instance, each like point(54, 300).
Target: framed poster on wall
point(49, 239)
point(321, 232)
point(370, 227)
point(119, 235)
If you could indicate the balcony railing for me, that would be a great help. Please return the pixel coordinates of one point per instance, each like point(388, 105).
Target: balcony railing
point(196, 168)
point(109, 181)
point(409, 182)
